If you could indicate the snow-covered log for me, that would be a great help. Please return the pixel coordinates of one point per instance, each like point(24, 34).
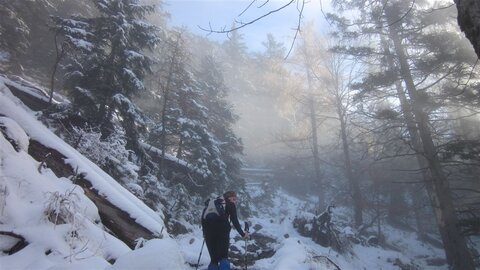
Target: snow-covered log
point(115, 219)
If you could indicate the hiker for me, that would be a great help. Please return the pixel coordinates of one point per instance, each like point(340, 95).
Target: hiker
point(321, 229)
point(325, 218)
point(216, 218)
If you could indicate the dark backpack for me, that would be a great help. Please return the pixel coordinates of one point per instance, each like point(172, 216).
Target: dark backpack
point(214, 208)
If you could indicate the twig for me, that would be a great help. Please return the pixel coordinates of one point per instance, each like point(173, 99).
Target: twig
point(248, 7)
point(404, 15)
point(244, 24)
point(296, 30)
point(223, 30)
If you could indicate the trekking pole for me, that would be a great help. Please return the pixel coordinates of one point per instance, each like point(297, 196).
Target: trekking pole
point(247, 228)
point(198, 262)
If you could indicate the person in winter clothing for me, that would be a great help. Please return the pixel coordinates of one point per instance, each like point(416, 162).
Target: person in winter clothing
point(216, 229)
point(325, 218)
point(321, 230)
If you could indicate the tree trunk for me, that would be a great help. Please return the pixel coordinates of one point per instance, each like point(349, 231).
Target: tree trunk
point(59, 56)
point(414, 140)
point(469, 21)
point(166, 91)
point(180, 148)
point(354, 185)
point(457, 253)
point(316, 157)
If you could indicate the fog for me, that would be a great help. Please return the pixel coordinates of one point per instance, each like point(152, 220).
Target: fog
point(375, 109)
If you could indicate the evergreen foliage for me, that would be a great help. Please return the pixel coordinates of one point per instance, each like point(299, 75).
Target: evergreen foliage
point(109, 61)
point(235, 47)
point(13, 32)
point(425, 56)
point(226, 146)
point(19, 21)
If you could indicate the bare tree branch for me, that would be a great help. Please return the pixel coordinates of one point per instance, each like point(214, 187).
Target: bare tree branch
point(248, 7)
point(224, 30)
point(244, 24)
point(297, 29)
point(404, 15)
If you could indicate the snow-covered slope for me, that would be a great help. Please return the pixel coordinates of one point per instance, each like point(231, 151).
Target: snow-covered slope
point(295, 252)
point(59, 224)
point(298, 252)
point(63, 229)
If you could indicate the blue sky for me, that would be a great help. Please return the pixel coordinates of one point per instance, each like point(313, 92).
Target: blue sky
point(222, 13)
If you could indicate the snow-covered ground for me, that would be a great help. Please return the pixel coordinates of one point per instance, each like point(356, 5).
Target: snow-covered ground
point(294, 251)
point(31, 198)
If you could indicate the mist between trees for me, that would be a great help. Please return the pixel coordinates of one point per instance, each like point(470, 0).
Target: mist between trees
point(381, 115)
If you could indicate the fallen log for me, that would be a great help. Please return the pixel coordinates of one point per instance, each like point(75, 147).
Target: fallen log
point(19, 245)
point(115, 219)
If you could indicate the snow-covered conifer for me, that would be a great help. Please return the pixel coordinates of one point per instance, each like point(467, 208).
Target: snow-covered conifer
point(109, 58)
point(220, 121)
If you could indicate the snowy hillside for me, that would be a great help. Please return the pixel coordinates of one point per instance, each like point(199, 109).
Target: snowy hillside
point(58, 225)
point(47, 222)
point(293, 251)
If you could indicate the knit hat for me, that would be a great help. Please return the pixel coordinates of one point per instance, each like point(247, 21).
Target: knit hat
point(229, 194)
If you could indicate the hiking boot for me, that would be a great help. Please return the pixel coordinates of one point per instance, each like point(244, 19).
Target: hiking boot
point(224, 264)
point(213, 267)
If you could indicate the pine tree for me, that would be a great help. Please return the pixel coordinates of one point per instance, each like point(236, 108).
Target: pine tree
point(18, 22)
point(109, 63)
point(273, 48)
point(170, 75)
point(24, 32)
point(197, 121)
point(422, 57)
point(235, 47)
point(221, 118)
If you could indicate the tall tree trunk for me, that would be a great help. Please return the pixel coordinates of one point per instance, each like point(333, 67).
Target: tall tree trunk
point(414, 140)
point(180, 148)
point(108, 90)
point(457, 253)
point(60, 52)
point(354, 185)
point(313, 124)
point(166, 92)
point(163, 137)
